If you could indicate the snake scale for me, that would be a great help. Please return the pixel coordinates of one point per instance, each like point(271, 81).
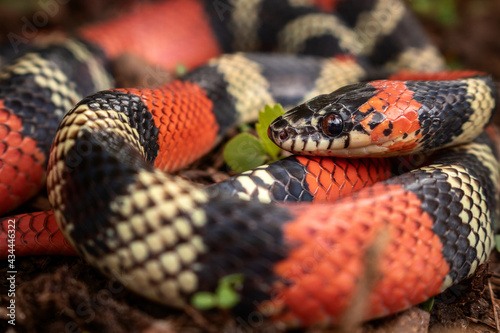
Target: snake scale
point(167, 239)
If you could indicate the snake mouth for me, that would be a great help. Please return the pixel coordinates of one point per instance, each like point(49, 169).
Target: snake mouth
point(361, 152)
point(300, 141)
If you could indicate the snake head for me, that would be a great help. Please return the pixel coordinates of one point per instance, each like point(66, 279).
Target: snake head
point(325, 125)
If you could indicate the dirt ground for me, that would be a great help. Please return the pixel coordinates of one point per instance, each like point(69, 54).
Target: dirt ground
point(64, 294)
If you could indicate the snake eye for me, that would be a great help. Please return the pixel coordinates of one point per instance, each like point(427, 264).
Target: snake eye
point(332, 125)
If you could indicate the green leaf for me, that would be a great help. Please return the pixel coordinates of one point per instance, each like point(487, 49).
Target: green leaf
point(444, 12)
point(447, 14)
point(497, 242)
point(244, 127)
point(422, 6)
point(226, 291)
point(455, 64)
point(266, 117)
point(227, 297)
point(244, 152)
point(180, 70)
point(232, 279)
point(427, 305)
point(204, 300)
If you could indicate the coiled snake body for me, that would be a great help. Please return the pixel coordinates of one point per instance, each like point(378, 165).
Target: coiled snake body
point(167, 239)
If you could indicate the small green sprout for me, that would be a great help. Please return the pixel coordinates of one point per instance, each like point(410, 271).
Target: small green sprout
point(180, 70)
point(427, 305)
point(443, 12)
point(245, 151)
point(224, 297)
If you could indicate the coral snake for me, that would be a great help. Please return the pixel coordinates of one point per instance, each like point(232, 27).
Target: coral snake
point(167, 239)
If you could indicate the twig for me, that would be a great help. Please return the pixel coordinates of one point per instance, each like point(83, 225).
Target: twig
point(494, 306)
point(353, 318)
point(199, 319)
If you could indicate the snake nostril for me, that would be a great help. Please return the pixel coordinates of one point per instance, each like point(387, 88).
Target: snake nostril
point(283, 135)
